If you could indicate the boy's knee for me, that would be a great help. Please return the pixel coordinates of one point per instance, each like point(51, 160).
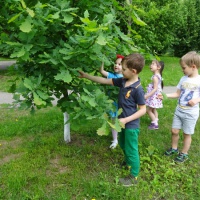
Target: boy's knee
point(175, 131)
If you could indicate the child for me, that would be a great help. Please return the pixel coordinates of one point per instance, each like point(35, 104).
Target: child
point(153, 89)
point(117, 74)
point(131, 100)
point(187, 110)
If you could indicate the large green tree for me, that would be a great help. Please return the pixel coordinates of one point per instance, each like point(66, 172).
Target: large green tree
point(51, 41)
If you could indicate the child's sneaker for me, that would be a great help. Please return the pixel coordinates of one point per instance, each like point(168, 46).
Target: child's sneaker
point(171, 151)
point(128, 181)
point(124, 165)
point(152, 126)
point(114, 144)
point(182, 157)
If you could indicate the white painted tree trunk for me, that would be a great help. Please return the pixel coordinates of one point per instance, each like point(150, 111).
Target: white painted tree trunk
point(67, 138)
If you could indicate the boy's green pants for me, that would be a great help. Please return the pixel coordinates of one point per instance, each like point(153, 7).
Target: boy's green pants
point(128, 141)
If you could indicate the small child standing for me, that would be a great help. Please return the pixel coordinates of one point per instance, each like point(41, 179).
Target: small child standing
point(117, 74)
point(131, 101)
point(187, 110)
point(153, 89)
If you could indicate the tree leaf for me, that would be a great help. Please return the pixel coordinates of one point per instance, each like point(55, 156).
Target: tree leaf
point(164, 96)
point(119, 111)
point(28, 84)
point(37, 100)
point(56, 15)
point(138, 21)
point(64, 76)
point(67, 18)
point(86, 14)
point(89, 100)
point(117, 125)
point(111, 125)
point(23, 3)
point(14, 43)
point(26, 26)
point(18, 53)
point(122, 35)
point(104, 130)
point(30, 12)
point(101, 40)
point(42, 95)
point(108, 18)
point(14, 18)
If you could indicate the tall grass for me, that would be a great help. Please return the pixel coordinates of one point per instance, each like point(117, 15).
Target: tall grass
point(35, 163)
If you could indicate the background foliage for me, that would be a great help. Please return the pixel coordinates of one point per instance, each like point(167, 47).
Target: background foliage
point(167, 27)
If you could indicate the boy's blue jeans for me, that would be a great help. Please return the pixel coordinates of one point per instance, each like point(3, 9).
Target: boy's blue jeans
point(128, 141)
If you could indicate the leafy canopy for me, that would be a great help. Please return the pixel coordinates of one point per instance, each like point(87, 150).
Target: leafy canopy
point(52, 40)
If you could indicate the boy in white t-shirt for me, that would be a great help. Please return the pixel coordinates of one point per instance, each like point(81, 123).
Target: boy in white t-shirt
point(187, 110)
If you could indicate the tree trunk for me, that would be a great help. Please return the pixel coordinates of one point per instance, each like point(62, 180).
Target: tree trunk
point(67, 138)
point(130, 19)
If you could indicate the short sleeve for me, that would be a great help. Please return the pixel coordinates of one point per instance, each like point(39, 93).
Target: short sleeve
point(118, 82)
point(139, 96)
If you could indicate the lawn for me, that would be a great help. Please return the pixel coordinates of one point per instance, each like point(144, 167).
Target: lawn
point(35, 163)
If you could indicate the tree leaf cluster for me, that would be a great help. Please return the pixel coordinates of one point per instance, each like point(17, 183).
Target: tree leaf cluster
point(52, 40)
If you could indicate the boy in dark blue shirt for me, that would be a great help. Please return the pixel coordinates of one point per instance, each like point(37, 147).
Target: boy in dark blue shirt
point(131, 100)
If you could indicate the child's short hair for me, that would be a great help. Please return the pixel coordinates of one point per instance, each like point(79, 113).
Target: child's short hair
point(191, 58)
point(134, 61)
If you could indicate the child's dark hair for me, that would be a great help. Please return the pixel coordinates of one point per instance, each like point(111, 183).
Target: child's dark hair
point(162, 65)
point(134, 61)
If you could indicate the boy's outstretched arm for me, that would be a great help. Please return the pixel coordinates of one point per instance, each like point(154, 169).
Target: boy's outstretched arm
point(174, 95)
point(169, 95)
point(96, 79)
point(141, 111)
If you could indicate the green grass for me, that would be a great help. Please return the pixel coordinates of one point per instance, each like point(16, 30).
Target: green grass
point(35, 163)
point(3, 59)
point(171, 74)
point(7, 78)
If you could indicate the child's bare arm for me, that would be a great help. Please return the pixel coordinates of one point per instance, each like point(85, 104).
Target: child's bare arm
point(155, 87)
point(170, 95)
point(141, 111)
point(174, 95)
point(193, 102)
point(102, 71)
point(96, 79)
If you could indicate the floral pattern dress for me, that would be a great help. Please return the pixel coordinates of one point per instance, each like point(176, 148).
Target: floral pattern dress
point(153, 101)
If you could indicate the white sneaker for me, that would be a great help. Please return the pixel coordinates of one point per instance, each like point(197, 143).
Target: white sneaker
point(114, 144)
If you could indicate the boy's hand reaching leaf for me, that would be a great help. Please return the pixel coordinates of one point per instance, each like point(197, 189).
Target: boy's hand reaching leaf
point(81, 74)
